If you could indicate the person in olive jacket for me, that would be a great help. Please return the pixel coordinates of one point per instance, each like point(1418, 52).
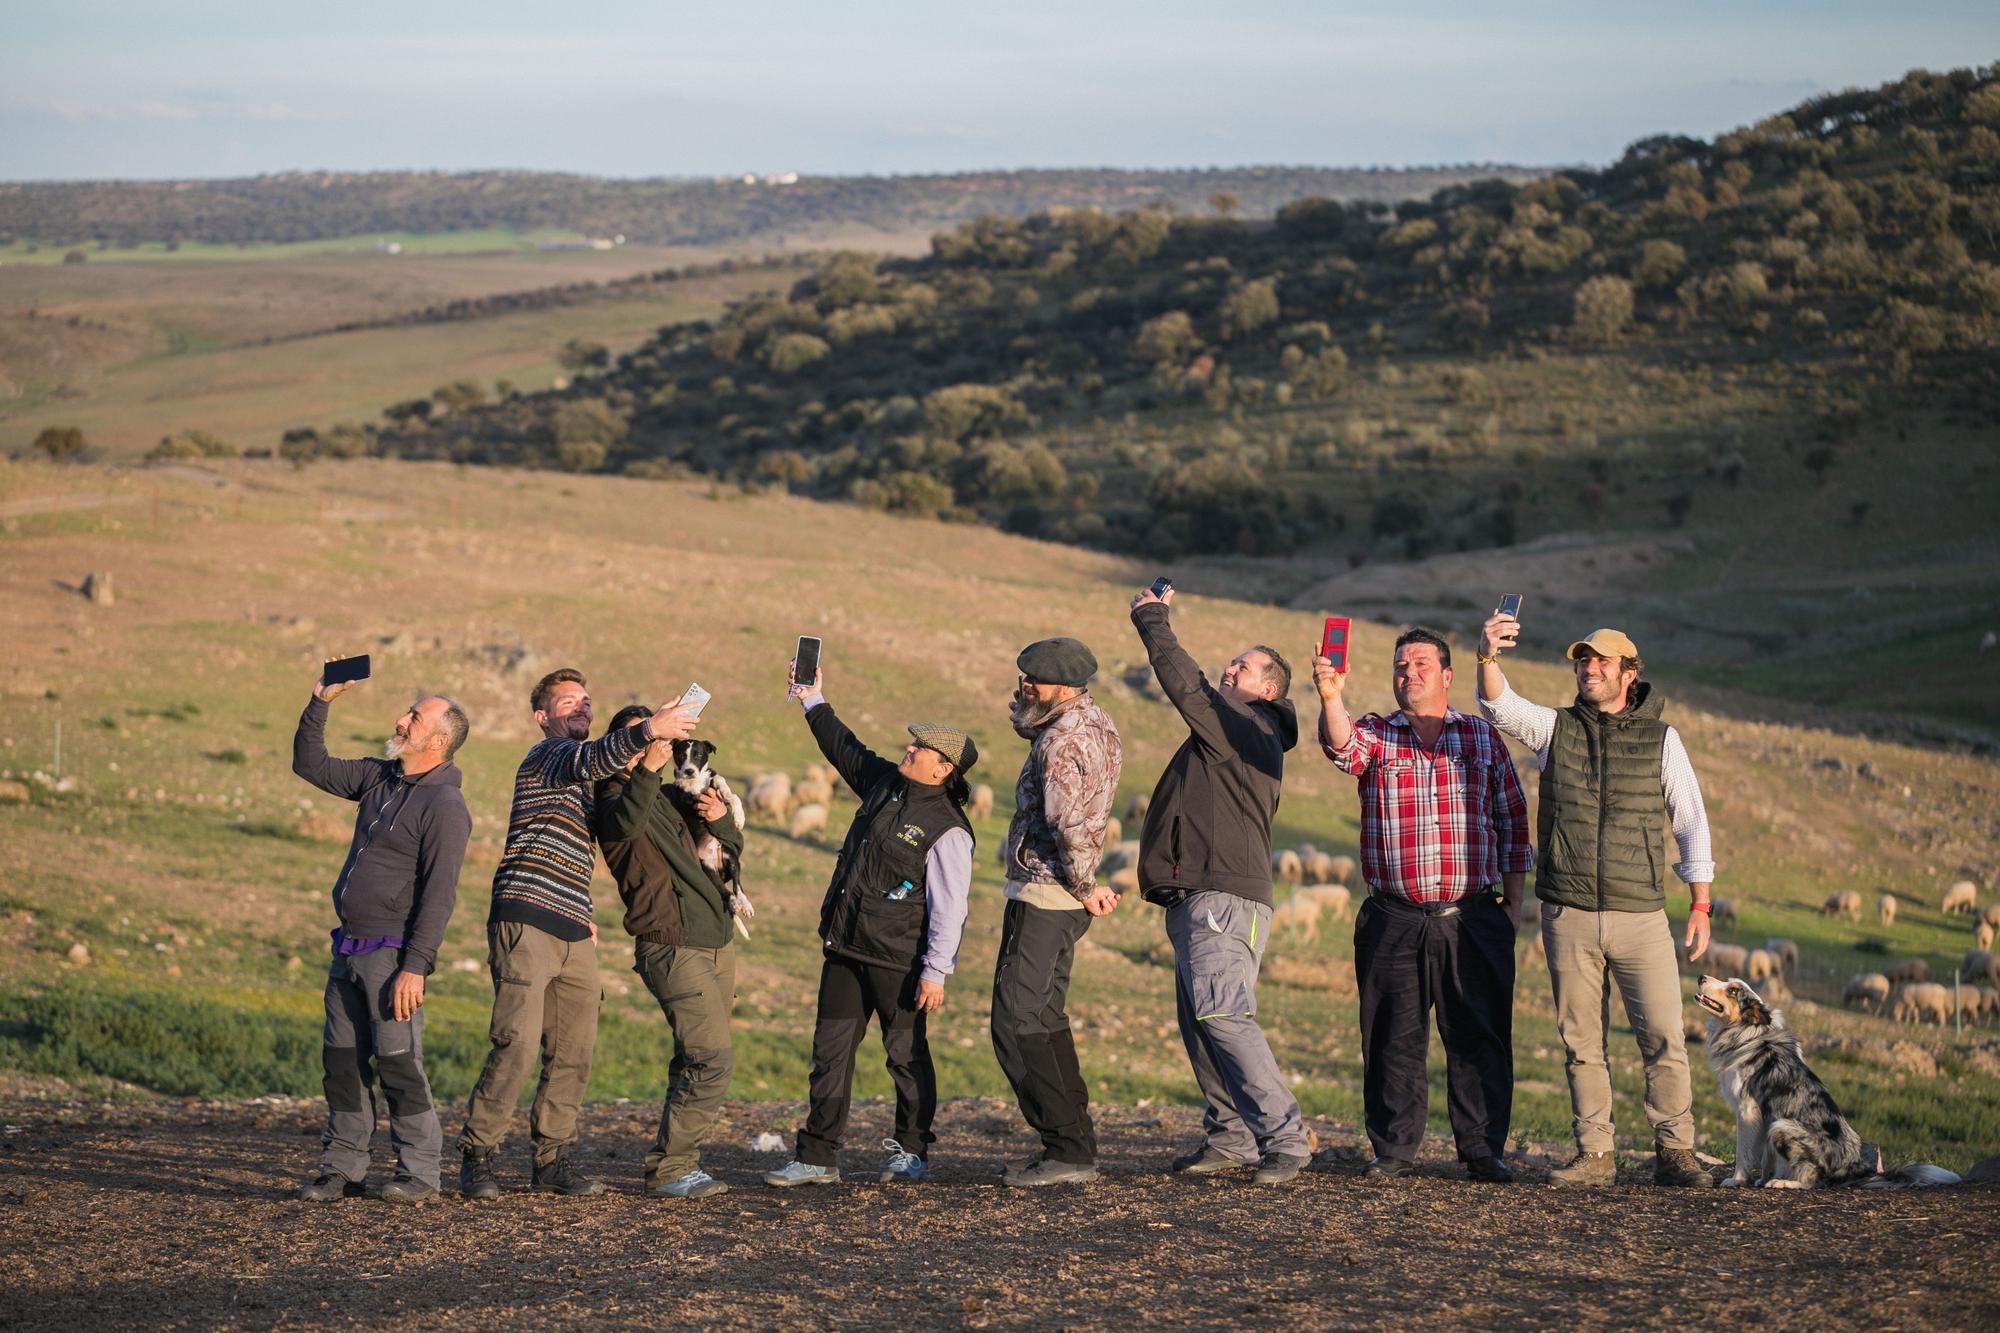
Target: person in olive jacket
point(678, 917)
point(890, 925)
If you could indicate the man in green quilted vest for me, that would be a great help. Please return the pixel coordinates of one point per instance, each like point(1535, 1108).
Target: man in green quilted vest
point(1613, 773)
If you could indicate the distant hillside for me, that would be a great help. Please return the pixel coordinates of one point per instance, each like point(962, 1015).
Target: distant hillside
point(305, 206)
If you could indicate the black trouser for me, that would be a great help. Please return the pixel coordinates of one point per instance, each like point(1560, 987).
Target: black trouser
point(1031, 1036)
point(849, 993)
point(1458, 958)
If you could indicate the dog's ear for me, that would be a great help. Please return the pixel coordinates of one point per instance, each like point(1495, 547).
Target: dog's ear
point(1755, 1012)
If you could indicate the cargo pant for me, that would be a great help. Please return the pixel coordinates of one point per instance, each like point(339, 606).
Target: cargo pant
point(1218, 941)
point(695, 988)
point(1588, 952)
point(546, 995)
point(1031, 1032)
point(363, 1043)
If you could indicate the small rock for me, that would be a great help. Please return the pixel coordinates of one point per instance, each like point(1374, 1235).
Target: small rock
point(79, 953)
point(13, 793)
point(97, 587)
point(1985, 1173)
point(467, 965)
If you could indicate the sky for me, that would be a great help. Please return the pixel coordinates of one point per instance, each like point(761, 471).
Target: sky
point(96, 89)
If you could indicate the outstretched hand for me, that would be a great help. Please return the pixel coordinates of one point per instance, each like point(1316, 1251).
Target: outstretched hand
point(1696, 939)
point(1148, 597)
point(328, 693)
point(1328, 679)
point(797, 690)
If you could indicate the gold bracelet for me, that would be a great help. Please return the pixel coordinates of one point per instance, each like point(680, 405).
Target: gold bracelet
point(1485, 660)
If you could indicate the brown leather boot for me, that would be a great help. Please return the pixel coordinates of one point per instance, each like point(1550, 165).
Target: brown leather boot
point(1591, 1169)
point(1679, 1167)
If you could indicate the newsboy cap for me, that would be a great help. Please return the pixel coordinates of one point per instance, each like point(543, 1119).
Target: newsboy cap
point(953, 744)
point(1058, 662)
point(1603, 643)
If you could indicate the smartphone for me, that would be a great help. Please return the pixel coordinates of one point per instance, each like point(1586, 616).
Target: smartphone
point(805, 660)
point(1333, 641)
point(343, 669)
point(1510, 605)
point(1162, 586)
point(693, 699)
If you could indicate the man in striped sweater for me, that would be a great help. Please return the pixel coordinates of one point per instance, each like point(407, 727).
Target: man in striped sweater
point(541, 941)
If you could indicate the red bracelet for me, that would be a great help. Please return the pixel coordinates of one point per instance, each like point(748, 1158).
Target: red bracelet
point(1700, 907)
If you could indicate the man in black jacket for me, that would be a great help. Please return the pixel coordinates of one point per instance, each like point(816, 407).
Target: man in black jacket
point(1205, 856)
point(678, 916)
point(393, 897)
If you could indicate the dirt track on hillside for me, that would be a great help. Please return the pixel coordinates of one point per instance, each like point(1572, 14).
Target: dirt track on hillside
point(169, 1215)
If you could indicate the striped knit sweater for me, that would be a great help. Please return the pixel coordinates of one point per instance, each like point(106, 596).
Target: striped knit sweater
point(544, 875)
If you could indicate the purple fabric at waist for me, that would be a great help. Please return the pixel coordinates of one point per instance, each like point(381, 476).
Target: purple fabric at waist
point(347, 947)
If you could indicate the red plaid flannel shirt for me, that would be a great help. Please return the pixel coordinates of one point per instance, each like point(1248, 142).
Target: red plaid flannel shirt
point(1435, 824)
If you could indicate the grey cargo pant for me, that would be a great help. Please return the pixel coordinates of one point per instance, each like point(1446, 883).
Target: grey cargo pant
point(1218, 941)
point(360, 1033)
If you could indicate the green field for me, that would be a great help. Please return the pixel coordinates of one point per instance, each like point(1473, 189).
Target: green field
point(185, 859)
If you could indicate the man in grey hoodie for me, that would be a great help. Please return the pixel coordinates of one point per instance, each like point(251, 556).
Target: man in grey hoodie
point(1205, 856)
point(393, 897)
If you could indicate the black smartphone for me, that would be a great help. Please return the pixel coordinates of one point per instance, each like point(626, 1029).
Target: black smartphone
point(805, 660)
point(1162, 586)
point(1510, 605)
point(343, 669)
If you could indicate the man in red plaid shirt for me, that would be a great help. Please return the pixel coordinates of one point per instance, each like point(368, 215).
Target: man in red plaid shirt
point(1444, 849)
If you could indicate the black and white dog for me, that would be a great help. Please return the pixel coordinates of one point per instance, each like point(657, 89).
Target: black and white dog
point(1790, 1134)
point(693, 775)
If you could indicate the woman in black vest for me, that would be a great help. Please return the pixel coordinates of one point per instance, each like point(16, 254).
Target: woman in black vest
point(890, 925)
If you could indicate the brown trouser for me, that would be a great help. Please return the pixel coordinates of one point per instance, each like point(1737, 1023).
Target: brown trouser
point(545, 988)
point(695, 988)
point(1588, 952)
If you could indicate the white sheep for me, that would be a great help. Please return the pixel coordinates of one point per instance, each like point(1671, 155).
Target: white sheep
point(1762, 965)
point(1979, 965)
point(981, 805)
point(1285, 867)
point(1866, 990)
point(1343, 871)
point(1961, 897)
point(1927, 1000)
point(1725, 960)
point(1787, 953)
point(1297, 913)
point(1845, 903)
point(1885, 909)
point(807, 819)
point(1910, 970)
point(1333, 899)
point(769, 795)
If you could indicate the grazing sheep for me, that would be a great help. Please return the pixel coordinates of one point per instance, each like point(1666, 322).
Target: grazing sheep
point(1961, 897)
point(1762, 965)
point(1721, 910)
point(807, 819)
point(1285, 867)
point(1531, 912)
point(1989, 999)
point(1991, 916)
point(1117, 856)
point(1846, 903)
point(1979, 965)
point(981, 805)
point(1125, 879)
point(812, 792)
point(1725, 960)
point(1333, 899)
point(769, 794)
point(1787, 952)
point(1982, 935)
point(1319, 866)
point(1885, 908)
point(1909, 970)
point(1913, 1004)
point(1343, 871)
point(1113, 831)
point(1299, 913)
point(819, 773)
point(1866, 990)
point(1136, 807)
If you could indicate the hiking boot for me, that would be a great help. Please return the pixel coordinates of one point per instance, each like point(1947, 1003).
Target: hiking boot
point(1052, 1172)
point(326, 1187)
point(903, 1167)
point(1489, 1169)
point(1206, 1161)
point(475, 1177)
point(1387, 1168)
point(802, 1173)
point(561, 1177)
point(1278, 1168)
point(1680, 1167)
point(696, 1184)
point(1591, 1169)
point(408, 1189)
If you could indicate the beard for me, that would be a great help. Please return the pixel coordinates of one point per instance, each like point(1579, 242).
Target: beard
point(392, 749)
point(1030, 715)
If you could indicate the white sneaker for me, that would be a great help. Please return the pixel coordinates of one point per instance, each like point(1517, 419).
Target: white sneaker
point(696, 1184)
point(902, 1167)
point(802, 1173)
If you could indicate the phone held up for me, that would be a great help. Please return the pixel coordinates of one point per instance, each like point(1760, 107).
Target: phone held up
point(1333, 641)
point(1162, 586)
point(693, 699)
point(344, 669)
point(1510, 605)
point(805, 660)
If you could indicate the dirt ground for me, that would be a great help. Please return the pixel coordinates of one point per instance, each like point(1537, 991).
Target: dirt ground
point(172, 1215)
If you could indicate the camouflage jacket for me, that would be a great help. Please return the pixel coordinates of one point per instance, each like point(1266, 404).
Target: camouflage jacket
point(1062, 800)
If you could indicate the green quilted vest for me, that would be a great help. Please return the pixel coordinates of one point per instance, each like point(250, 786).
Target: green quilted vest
point(1602, 808)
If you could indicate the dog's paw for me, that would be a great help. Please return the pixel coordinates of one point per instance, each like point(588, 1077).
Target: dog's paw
point(1733, 1182)
point(740, 905)
point(1783, 1185)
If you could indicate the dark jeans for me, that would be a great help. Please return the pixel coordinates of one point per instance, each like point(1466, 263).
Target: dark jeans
point(849, 994)
point(1031, 1036)
point(1407, 961)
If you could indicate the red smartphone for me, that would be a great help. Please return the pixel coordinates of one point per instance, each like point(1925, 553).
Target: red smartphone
point(1333, 642)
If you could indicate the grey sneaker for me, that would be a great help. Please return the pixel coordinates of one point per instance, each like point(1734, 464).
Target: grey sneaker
point(802, 1173)
point(1590, 1169)
point(1052, 1172)
point(1206, 1161)
point(561, 1177)
point(408, 1189)
point(1678, 1166)
point(903, 1167)
point(696, 1184)
point(1278, 1168)
point(327, 1187)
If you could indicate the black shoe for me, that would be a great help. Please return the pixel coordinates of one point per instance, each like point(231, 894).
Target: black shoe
point(1489, 1169)
point(559, 1177)
point(326, 1187)
point(1208, 1162)
point(407, 1189)
point(1387, 1168)
point(475, 1177)
point(1278, 1168)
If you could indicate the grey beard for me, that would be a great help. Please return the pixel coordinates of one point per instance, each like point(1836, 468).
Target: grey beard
point(392, 749)
point(1028, 715)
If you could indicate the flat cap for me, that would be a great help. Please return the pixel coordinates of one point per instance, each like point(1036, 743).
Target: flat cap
point(953, 744)
point(1603, 643)
point(1058, 662)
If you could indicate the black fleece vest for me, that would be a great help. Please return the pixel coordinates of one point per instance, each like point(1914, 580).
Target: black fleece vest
point(876, 910)
point(1602, 808)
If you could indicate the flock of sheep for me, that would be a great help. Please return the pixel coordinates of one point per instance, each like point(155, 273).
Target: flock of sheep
point(1903, 990)
point(803, 806)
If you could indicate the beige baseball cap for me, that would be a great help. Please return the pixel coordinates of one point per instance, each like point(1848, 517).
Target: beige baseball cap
point(1603, 643)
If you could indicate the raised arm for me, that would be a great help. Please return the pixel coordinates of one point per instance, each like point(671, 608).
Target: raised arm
point(565, 762)
point(1180, 679)
point(859, 767)
point(345, 778)
point(1351, 748)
